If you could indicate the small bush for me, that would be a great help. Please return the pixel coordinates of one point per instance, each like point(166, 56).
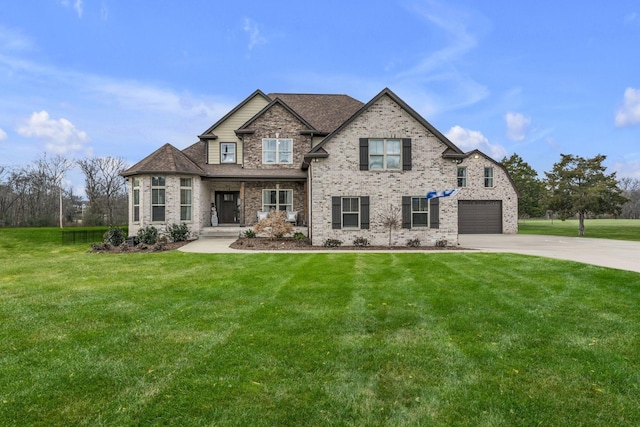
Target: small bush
point(441, 243)
point(275, 224)
point(148, 235)
point(114, 236)
point(332, 243)
point(299, 236)
point(360, 242)
point(178, 232)
point(414, 243)
point(250, 234)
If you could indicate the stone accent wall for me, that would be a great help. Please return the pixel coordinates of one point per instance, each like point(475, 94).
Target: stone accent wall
point(340, 175)
point(277, 120)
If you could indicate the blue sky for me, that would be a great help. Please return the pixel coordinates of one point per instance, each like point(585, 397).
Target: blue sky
point(121, 78)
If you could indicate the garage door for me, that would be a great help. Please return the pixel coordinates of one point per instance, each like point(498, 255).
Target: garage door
point(479, 216)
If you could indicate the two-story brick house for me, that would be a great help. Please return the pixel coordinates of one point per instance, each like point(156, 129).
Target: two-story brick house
point(336, 164)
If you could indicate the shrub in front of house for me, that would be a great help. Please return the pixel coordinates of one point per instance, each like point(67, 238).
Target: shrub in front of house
point(275, 225)
point(114, 236)
point(414, 243)
point(178, 232)
point(332, 243)
point(250, 234)
point(148, 235)
point(360, 242)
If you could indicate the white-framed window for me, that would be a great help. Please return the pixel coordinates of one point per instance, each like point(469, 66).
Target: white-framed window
point(462, 176)
point(419, 212)
point(158, 198)
point(488, 177)
point(277, 150)
point(385, 154)
point(227, 152)
point(277, 200)
point(350, 212)
point(185, 199)
point(136, 199)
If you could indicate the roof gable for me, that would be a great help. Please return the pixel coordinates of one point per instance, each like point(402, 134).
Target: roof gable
point(451, 147)
point(324, 112)
point(209, 133)
point(167, 160)
point(277, 101)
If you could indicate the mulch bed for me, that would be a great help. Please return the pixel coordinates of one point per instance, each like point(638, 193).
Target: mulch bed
point(140, 247)
point(291, 244)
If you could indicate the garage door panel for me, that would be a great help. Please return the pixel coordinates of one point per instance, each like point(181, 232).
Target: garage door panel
point(480, 216)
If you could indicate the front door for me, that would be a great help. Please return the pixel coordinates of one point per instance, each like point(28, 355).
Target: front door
point(227, 203)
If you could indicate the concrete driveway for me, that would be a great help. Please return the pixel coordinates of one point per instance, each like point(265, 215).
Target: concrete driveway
point(606, 253)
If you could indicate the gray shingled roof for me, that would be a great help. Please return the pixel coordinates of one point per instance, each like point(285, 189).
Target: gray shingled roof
point(167, 160)
point(324, 112)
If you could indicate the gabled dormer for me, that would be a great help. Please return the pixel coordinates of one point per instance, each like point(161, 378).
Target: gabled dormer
point(222, 145)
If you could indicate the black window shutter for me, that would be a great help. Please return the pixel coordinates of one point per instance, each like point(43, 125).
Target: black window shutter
point(364, 154)
point(406, 211)
point(364, 212)
point(336, 212)
point(434, 212)
point(406, 154)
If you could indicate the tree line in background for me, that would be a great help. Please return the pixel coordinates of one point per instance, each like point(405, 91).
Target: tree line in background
point(37, 194)
point(575, 187)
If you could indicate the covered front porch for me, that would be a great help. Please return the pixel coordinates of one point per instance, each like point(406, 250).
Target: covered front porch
point(236, 231)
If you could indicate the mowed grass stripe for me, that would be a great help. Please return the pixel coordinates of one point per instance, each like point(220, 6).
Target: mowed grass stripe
point(316, 339)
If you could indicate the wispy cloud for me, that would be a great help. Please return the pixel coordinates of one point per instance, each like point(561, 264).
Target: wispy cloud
point(3, 135)
point(61, 135)
point(252, 30)
point(631, 18)
point(517, 126)
point(440, 70)
point(77, 6)
point(468, 140)
point(629, 113)
point(11, 40)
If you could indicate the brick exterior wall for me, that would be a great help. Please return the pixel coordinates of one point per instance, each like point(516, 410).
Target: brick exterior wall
point(276, 120)
point(340, 175)
point(172, 204)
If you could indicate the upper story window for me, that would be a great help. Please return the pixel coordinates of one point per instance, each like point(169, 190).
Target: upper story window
point(488, 177)
point(157, 198)
point(136, 199)
point(227, 152)
point(385, 154)
point(185, 199)
point(462, 176)
point(277, 150)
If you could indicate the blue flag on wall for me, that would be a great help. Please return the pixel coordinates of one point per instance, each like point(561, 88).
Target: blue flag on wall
point(442, 193)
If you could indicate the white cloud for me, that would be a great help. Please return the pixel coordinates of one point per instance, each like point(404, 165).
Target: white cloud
point(517, 126)
point(62, 136)
point(3, 135)
point(627, 168)
point(631, 18)
point(13, 40)
point(255, 38)
point(469, 140)
point(77, 5)
point(629, 113)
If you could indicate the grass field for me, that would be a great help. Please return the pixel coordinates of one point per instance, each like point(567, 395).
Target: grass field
point(619, 229)
point(313, 339)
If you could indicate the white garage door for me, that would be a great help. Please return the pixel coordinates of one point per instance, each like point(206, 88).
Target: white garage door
point(479, 216)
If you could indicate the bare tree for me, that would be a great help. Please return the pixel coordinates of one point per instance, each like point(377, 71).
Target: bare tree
point(631, 190)
point(105, 188)
point(56, 167)
point(390, 218)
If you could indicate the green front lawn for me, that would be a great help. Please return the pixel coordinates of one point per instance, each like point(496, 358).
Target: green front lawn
point(619, 229)
point(314, 339)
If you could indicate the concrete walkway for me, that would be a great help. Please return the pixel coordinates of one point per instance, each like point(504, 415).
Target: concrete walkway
point(606, 253)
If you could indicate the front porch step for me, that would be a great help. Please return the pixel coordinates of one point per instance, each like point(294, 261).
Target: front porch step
point(222, 232)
